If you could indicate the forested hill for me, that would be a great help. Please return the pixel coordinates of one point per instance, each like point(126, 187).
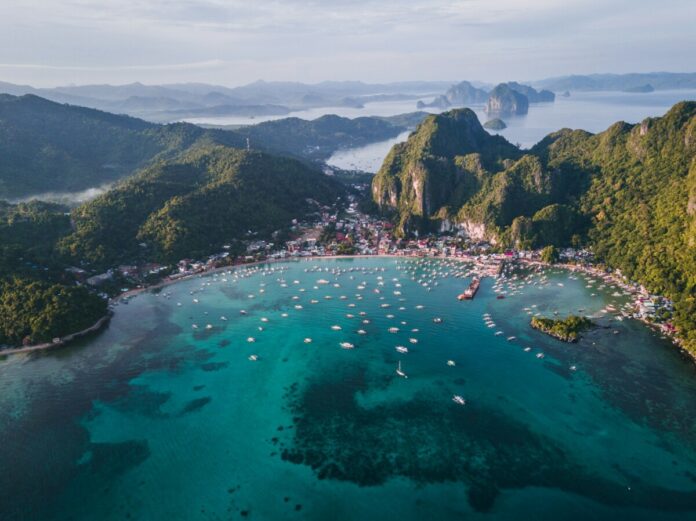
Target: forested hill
point(50, 147)
point(192, 206)
point(46, 146)
point(319, 138)
point(628, 192)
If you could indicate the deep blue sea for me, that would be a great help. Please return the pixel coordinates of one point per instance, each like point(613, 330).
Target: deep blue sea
point(157, 420)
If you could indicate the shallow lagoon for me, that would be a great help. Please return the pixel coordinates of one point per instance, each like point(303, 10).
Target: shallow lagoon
point(156, 420)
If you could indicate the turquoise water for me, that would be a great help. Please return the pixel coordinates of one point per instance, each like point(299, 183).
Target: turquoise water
point(154, 419)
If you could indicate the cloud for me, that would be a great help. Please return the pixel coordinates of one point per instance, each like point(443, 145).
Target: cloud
point(234, 41)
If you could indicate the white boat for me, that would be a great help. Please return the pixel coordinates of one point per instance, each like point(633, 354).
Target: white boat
point(573, 368)
point(393, 329)
point(400, 372)
point(336, 328)
point(540, 355)
point(264, 319)
point(209, 326)
point(401, 349)
point(307, 340)
point(413, 340)
point(251, 339)
point(451, 363)
point(194, 326)
point(242, 312)
point(458, 399)
point(437, 320)
point(362, 332)
point(510, 338)
point(253, 358)
point(223, 318)
point(346, 345)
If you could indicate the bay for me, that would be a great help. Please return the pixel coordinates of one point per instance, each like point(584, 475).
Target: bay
point(155, 419)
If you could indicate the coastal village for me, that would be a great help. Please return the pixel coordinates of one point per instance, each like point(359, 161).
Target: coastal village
point(346, 231)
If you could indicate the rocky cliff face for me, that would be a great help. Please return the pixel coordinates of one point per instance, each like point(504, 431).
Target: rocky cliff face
point(465, 93)
point(505, 101)
point(427, 179)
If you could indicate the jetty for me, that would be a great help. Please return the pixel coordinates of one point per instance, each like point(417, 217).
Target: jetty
point(470, 292)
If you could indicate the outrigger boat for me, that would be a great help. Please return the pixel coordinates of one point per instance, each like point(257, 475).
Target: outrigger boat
point(400, 372)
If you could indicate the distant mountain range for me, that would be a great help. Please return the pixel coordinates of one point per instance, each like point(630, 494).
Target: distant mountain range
point(620, 82)
point(174, 102)
point(165, 103)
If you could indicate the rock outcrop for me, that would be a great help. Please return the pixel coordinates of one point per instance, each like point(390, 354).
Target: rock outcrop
point(505, 101)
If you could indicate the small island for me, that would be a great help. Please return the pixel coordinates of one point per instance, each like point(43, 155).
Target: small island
point(495, 124)
point(640, 89)
point(567, 329)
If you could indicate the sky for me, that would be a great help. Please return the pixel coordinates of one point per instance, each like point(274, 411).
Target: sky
point(232, 42)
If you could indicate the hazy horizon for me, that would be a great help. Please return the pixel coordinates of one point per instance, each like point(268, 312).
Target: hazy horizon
point(63, 42)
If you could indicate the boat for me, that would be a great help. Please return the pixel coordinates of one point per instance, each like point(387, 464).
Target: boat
point(413, 340)
point(500, 297)
point(336, 328)
point(223, 318)
point(242, 312)
point(510, 338)
point(401, 349)
point(346, 345)
point(393, 329)
point(209, 326)
point(573, 368)
point(540, 355)
point(251, 339)
point(451, 363)
point(307, 340)
point(400, 372)
point(253, 358)
point(437, 320)
point(458, 399)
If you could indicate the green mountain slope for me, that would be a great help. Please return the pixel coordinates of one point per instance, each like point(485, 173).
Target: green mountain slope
point(629, 192)
point(50, 147)
point(46, 146)
point(194, 205)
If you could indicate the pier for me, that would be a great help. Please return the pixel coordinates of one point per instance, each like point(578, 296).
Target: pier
point(470, 292)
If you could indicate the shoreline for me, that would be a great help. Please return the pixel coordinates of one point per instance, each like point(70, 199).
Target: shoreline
point(127, 295)
point(62, 341)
